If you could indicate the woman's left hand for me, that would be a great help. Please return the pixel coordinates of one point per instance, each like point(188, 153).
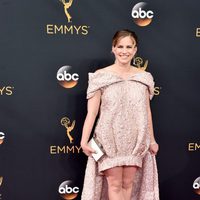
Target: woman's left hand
point(154, 148)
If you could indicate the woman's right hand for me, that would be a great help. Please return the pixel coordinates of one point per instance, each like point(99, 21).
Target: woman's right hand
point(87, 150)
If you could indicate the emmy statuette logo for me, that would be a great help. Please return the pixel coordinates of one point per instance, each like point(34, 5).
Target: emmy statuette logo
point(138, 61)
point(67, 5)
point(68, 28)
point(65, 121)
point(70, 147)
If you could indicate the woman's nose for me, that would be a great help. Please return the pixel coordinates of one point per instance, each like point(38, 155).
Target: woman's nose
point(124, 50)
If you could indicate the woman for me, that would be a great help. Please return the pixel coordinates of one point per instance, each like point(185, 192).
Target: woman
point(121, 92)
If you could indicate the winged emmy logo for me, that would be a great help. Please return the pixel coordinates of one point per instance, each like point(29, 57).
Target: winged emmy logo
point(67, 5)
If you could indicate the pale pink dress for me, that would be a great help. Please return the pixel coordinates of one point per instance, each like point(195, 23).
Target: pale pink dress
point(122, 129)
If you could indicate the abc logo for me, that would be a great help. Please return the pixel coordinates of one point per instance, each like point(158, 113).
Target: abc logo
point(66, 77)
point(68, 190)
point(196, 186)
point(2, 136)
point(141, 15)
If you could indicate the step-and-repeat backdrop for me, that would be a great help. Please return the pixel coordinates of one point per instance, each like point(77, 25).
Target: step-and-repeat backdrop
point(47, 48)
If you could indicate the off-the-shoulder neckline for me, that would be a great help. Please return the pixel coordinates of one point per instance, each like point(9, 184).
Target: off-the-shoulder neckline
point(117, 75)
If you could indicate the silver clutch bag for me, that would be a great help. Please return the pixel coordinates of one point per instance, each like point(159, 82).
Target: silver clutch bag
point(99, 152)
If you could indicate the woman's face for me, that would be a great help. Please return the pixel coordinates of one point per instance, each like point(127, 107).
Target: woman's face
point(124, 50)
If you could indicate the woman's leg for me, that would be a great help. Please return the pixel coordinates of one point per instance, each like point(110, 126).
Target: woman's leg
point(127, 181)
point(114, 180)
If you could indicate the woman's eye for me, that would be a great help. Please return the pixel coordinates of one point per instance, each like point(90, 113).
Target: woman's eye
point(128, 47)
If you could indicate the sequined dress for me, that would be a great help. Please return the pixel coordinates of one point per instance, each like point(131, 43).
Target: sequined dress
point(122, 129)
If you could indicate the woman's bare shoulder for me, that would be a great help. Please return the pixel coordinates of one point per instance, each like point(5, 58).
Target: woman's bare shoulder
point(104, 69)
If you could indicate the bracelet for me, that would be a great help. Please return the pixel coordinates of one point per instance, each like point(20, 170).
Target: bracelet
point(154, 142)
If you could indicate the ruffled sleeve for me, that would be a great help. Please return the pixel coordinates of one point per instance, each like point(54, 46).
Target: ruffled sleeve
point(147, 79)
point(98, 80)
point(94, 84)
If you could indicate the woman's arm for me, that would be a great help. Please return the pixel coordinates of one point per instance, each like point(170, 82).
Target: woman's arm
point(150, 123)
point(92, 111)
point(153, 145)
